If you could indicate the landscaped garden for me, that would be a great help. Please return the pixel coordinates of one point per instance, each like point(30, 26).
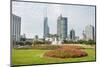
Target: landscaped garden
point(57, 54)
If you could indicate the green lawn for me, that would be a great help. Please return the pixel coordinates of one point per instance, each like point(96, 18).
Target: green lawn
point(32, 56)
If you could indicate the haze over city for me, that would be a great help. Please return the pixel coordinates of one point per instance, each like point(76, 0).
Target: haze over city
point(32, 17)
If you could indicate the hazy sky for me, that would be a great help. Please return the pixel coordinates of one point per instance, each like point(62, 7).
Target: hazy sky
point(32, 17)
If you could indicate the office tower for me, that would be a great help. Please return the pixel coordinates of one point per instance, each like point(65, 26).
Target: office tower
point(62, 27)
point(72, 34)
point(15, 29)
point(89, 32)
point(46, 27)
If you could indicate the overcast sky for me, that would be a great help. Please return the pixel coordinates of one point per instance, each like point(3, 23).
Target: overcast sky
point(32, 17)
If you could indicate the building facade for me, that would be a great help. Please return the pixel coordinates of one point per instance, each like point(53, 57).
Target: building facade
point(72, 34)
point(89, 33)
point(46, 28)
point(15, 28)
point(62, 27)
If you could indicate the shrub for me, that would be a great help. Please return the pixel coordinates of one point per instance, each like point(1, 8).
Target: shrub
point(46, 47)
point(66, 52)
point(41, 47)
point(28, 43)
point(21, 43)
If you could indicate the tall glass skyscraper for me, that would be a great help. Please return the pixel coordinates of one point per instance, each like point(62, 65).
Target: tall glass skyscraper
point(62, 27)
point(46, 27)
point(72, 34)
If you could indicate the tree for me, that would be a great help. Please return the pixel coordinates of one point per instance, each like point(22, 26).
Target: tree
point(21, 43)
point(91, 42)
point(22, 39)
point(28, 43)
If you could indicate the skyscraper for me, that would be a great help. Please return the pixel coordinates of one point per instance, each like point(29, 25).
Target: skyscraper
point(62, 27)
point(15, 28)
point(72, 34)
point(46, 27)
point(89, 32)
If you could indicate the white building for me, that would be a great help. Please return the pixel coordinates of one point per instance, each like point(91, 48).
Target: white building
point(89, 32)
point(15, 28)
point(54, 40)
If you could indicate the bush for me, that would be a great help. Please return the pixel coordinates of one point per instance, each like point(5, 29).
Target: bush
point(89, 42)
point(66, 52)
point(46, 47)
point(20, 43)
point(41, 42)
point(28, 43)
point(41, 47)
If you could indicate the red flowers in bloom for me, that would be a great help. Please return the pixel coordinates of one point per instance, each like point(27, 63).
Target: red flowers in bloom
point(66, 52)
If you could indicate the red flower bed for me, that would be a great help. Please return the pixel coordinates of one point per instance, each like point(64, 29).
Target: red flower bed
point(66, 52)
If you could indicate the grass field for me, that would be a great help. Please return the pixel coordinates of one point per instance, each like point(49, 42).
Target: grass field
point(33, 56)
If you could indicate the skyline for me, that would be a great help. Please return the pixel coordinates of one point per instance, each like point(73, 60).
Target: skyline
point(78, 16)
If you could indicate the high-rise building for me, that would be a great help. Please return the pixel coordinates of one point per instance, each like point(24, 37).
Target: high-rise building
point(15, 28)
point(72, 34)
point(89, 33)
point(62, 27)
point(46, 28)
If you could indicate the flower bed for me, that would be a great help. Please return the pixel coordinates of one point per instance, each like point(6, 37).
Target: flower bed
point(66, 52)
